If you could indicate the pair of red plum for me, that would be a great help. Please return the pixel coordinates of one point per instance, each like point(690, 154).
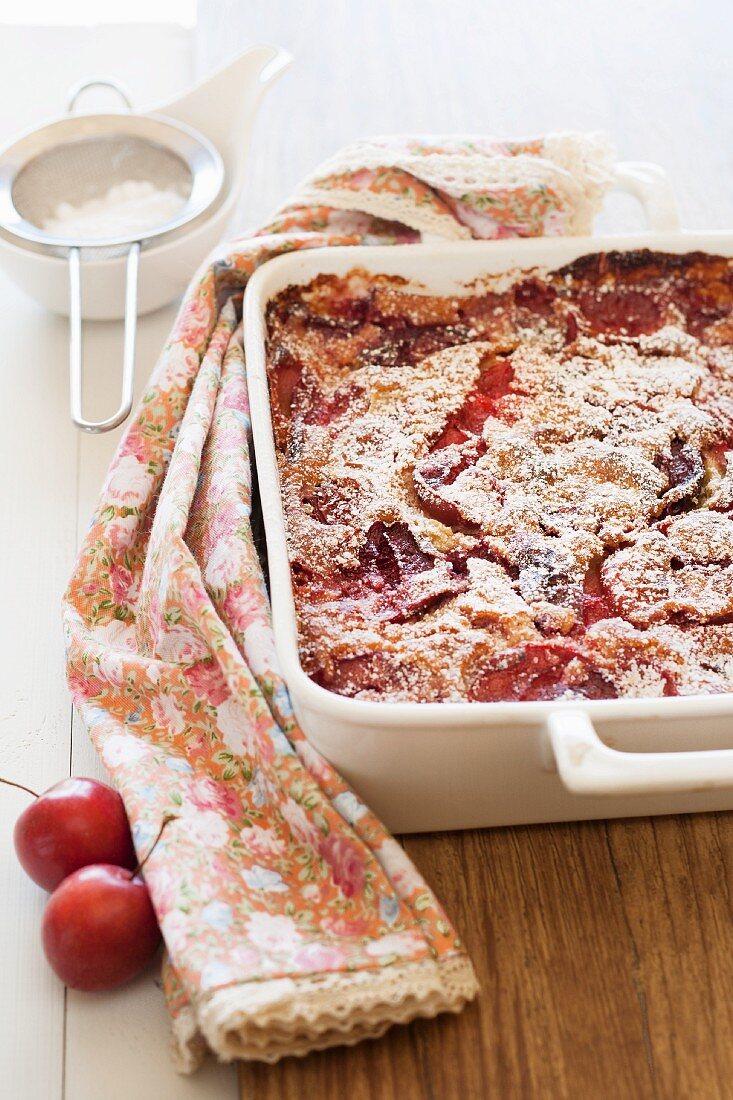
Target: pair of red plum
point(99, 926)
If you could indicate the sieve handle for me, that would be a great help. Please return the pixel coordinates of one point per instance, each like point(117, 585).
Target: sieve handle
point(98, 82)
point(75, 343)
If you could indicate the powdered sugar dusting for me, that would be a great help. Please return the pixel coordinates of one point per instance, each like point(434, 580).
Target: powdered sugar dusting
point(521, 492)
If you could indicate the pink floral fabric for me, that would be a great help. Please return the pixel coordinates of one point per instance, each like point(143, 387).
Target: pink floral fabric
point(272, 866)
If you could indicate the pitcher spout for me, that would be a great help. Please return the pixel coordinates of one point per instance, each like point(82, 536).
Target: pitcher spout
point(223, 106)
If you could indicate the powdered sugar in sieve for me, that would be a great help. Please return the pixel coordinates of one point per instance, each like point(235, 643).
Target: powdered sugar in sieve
point(101, 187)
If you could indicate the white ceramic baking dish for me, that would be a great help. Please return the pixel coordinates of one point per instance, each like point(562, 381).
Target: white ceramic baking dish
point(458, 765)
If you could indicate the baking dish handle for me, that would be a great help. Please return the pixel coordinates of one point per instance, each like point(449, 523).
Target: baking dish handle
point(588, 766)
point(649, 184)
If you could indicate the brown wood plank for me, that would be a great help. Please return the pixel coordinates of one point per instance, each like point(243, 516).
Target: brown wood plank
point(605, 956)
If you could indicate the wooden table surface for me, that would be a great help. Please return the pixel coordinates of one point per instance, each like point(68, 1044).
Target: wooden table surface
point(605, 956)
point(604, 950)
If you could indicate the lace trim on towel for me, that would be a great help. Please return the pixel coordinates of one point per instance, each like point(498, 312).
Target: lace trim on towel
point(188, 1046)
point(391, 207)
point(265, 1021)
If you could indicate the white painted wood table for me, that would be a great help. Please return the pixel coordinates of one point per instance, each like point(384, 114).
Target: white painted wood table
point(654, 73)
point(55, 1044)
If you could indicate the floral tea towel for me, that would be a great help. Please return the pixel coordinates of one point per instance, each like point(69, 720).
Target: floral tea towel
point(292, 920)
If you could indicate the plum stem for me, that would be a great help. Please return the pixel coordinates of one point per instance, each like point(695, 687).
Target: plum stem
point(166, 821)
point(20, 786)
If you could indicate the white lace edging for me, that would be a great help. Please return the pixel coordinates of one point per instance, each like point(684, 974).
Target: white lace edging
point(265, 1021)
point(389, 206)
point(188, 1046)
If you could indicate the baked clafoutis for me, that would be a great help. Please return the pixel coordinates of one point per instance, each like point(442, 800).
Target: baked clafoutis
point(522, 492)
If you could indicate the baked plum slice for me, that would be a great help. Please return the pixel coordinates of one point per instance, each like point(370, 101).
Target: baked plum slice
point(324, 409)
point(395, 580)
point(460, 443)
point(390, 553)
point(377, 673)
point(704, 294)
point(540, 671)
point(286, 375)
point(299, 399)
point(362, 672)
point(484, 400)
point(621, 311)
point(438, 470)
point(536, 296)
point(389, 562)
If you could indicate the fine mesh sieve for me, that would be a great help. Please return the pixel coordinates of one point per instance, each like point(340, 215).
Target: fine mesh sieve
point(80, 158)
point(79, 171)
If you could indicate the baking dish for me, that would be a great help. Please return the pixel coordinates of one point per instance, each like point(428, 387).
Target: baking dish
point(429, 766)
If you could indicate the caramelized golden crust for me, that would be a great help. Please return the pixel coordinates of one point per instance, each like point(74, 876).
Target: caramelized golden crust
point(522, 492)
